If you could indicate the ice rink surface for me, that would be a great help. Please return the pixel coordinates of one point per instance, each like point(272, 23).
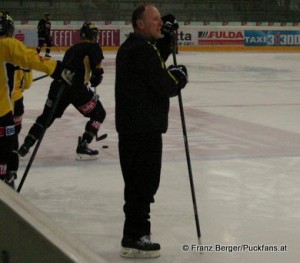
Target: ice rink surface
point(243, 121)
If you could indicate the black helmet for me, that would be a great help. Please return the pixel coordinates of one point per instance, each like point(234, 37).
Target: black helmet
point(6, 25)
point(47, 15)
point(89, 31)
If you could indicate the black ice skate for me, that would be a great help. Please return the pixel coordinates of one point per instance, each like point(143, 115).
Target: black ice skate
point(84, 152)
point(142, 248)
point(28, 143)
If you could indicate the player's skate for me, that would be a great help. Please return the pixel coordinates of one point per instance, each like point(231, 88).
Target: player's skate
point(84, 152)
point(28, 143)
point(142, 248)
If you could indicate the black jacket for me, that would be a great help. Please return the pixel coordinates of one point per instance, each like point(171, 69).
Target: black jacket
point(74, 59)
point(143, 88)
point(44, 27)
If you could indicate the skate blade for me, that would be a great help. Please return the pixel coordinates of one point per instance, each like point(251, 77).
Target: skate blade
point(85, 157)
point(136, 253)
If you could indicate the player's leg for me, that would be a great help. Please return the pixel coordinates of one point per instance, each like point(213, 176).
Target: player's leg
point(9, 160)
point(41, 42)
point(48, 47)
point(18, 115)
point(38, 127)
point(89, 106)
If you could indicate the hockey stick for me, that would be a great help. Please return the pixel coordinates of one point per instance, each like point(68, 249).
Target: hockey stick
point(186, 144)
point(56, 47)
point(48, 121)
point(41, 77)
point(101, 137)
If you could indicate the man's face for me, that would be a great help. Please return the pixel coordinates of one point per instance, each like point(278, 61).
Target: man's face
point(150, 25)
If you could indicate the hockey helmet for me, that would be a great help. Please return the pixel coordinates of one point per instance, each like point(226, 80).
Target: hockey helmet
point(89, 31)
point(6, 25)
point(47, 16)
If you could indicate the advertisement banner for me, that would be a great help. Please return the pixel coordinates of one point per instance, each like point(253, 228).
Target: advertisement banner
point(27, 36)
point(272, 38)
point(221, 38)
point(186, 37)
point(65, 37)
point(109, 37)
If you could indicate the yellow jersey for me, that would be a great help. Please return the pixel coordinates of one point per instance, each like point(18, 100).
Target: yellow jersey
point(14, 52)
point(22, 81)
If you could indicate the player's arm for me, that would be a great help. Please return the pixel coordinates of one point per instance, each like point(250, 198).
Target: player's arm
point(41, 25)
point(27, 79)
point(97, 75)
point(28, 58)
point(163, 82)
point(96, 67)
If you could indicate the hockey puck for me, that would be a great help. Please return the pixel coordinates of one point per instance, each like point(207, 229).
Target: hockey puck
point(105, 146)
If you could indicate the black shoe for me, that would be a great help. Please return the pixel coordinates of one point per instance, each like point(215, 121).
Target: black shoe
point(47, 55)
point(28, 143)
point(84, 152)
point(141, 248)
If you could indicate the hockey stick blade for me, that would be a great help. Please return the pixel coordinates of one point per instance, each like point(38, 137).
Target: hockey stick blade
point(102, 137)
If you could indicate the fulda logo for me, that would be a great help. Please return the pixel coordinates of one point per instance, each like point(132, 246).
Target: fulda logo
point(220, 38)
point(203, 34)
point(220, 34)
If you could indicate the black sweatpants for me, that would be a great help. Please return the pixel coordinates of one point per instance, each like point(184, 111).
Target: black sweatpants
point(9, 159)
point(82, 98)
point(140, 159)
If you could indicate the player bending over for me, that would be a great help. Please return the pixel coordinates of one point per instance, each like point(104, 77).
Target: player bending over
point(85, 59)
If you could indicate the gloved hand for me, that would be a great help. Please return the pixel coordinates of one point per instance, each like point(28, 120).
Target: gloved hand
point(169, 24)
point(181, 75)
point(96, 77)
point(63, 72)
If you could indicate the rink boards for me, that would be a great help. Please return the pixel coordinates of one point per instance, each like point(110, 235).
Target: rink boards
point(28, 235)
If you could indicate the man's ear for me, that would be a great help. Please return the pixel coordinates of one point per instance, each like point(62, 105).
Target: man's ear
point(140, 24)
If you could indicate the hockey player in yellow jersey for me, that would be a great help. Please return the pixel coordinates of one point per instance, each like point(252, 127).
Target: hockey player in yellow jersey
point(13, 52)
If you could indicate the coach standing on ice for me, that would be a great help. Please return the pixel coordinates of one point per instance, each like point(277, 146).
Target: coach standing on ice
point(142, 91)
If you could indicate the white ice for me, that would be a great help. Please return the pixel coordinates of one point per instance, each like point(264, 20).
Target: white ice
point(242, 115)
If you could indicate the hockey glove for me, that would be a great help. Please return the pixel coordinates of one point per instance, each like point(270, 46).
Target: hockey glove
point(169, 24)
point(96, 77)
point(63, 72)
point(180, 74)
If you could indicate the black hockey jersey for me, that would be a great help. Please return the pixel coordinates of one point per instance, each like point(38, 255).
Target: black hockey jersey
point(44, 27)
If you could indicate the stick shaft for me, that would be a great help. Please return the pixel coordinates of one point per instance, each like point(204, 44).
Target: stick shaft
point(41, 77)
point(48, 121)
point(187, 152)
